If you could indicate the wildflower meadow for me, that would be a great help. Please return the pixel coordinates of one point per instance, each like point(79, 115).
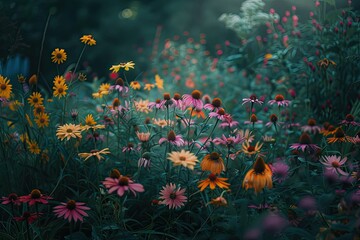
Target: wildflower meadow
point(257, 139)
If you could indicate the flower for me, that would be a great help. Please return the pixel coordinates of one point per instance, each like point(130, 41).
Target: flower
point(158, 104)
point(246, 134)
point(172, 197)
point(159, 82)
point(71, 210)
point(58, 56)
point(103, 90)
point(304, 143)
point(5, 87)
point(94, 153)
point(349, 120)
point(42, 120)
point(193, 100)
point(196, 112)
point(325, 63)
point(214, 105)
point(89, 120)
point(60, 90)
point(339, 136)
point(35, 99)
point(59, 80)
point(142, 106)
point(273, 121)
point(69, 131)
point(333, 164)
point(114, 174)
point(38, 109)
point(258, 177)
point(228, 141)
point(228, 122)
point(177, 101)
point(11, 198)
point(143, 137)
point(219, 201)
point(126, 66)
point(219, 114)
point(311, 127)
point(213, 162)
point(120, 86)
point(88, 39)
point(33, 147)
point(162, 122)
point(280, 171)
point(213, 181)
point(183, 158)
point(252, 99)
point(35, 197)
point(253, 120)
point(279, 100)
point(27, 216)
point(149, 86)
point(122, 184)
point(173, 139)
point(145, 160)
point(249, 149)
point(135, 85)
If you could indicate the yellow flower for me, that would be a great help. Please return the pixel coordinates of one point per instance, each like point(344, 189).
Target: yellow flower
point(159, 82)
point(162, 122)
point(60, 90)
point(149, 86)
point(93, 127)
point(94, 153)
point(14, 105)
point(103, 90)
point(183, 158)
point(24, 137)
point(68, 131)
point(38, 109)
point(135, 85)
point(89, 120)
point(142, 106)
point(35, 99)
point(213, 162)
point(58, 56)
point(59, 80)
point(268, 56)
point(33, 147)
point(249, 149)
point(42, 120)
point(88, 39)
point(5, 87)
point(126, 66)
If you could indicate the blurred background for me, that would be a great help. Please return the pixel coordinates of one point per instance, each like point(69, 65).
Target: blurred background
point(124, 30)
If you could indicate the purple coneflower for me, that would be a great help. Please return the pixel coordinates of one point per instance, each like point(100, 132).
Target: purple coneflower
point(253, 120)
point(71, 210)
point(120, 86)
point(178, 102)
point(228, 122)
point(172, 196)
point(121, 185)
point(304, 143)
point(273, 121)
point(279, 100)
point(229, 141)
point(28, 217)
point(333, 164)
point(349, 120)
point(173, 139)
point(311, 127)
point(214, 105)
point(193, 99)
point(252, 99)
point(145, 160)
point(219, 114)
point(11, 198)
point(158, 104)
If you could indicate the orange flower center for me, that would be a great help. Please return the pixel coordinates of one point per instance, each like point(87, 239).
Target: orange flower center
point(251, 149)
point(35, 100)
point(35, 194)
point(177, 96)
point(311, 122)
point(182, 158)
point(335, 164)
point(94, 151)
point(123, 181)
point(167, 96)
point(3, 86)
point(279, 98)
point(216, 102)
point(196, 94)
point(212, 177)
point(130, 145)
point(158, 101)
point(171, 136)
point(221, 111)
point(253, 118)
point(119, 82)
point(71, 205)
point(273, 118)
point(305, 139)
point(116, 102)
point(115, 173)
point(339, 133)
point(259, 166)
point(42, 120)
point(214, 156)
point(349, 118)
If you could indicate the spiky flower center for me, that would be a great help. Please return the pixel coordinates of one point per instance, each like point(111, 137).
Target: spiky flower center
point(273, 118)
point(171, 136)
point(349, 118)
point(35, 100)
point(339, 133)
point(115, 173)
point(130, 145)
point(196, 94)
point(259, 166)
point(13, 197)
point(3, 86)
point(216, 102)
point(172, 195)
point(221, 111)
point(212, 177)
point(253, 118)
point(182, 158)
point(167, 96)
point(158, 101)
point(250, 148)
point(35, 194)
point(305, 139)
point(123, 181)
point(335, 164)
point(116, 102)
point(119, 82)
point(69, 130)
point(279, 98)
point(71, 205)
point(177, 96)
point(214, 156)
point(60, 89)
point(253, 97)
point(311, 122)
point(326, 125)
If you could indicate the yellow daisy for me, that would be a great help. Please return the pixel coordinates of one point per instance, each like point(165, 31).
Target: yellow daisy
point(126, 66)
point(35, 99)
point(159, 82)
point(42, 120)
point(103, 90)
point(135, 85)
point(88, 39)
point(94, 153)
point(28, 120)
point(89, 120)
point(59, 80)
point(68, 131)
point(183, 158)
point(60, 90)
point(142, 106)
point(149, 86)
point(33, 147)
point(38, 108)
point(58, 56)
point(5, 87)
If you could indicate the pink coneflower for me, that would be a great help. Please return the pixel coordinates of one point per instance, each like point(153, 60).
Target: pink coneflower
point(273, 121)
point(172, 196)
point(311, 127)
point(280, 171)
point(173, 139)
point(333, 164)
point(178, 102)
point(229, 141)
point(252, 99)
point(145, 160)
point(279, 100)
point(115, 110)
point(129, 147)
point(95, 136)
point(35, 197)
point(120, 86)
point(193, 99)
point(219, 114)
point(158, 104)
point(114, 174)
point(246, 135)
point(122, 184)
point(253, 120)
point(11, 198)
point(71, 210)
point(228, 122)
point(304, 143)
point(349, 120)
point(214, 105)
point(27, 216)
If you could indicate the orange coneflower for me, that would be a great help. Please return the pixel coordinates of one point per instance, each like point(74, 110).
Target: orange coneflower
point(197, 112)
point(258, 177)
point(213, 162)
point(328, 129)
point(88, 39)
point(213, 181)
point(339, 136)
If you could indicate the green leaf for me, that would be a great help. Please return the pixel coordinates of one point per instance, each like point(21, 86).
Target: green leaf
point(77, 235)
point(330, 2)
